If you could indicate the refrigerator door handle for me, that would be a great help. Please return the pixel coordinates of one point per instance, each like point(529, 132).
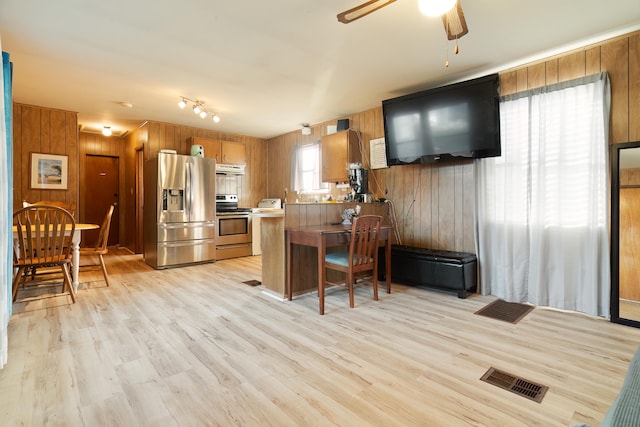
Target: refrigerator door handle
point(187, 168)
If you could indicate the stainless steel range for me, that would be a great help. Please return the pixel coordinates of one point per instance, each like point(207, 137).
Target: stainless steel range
point(233, 231)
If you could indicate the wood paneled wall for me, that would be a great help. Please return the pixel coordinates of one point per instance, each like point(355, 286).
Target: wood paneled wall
point(48, 131)
point(155, 136)
point(434, 203)
point(619, 57)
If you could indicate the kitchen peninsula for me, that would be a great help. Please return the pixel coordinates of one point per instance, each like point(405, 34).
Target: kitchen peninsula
point(305, 258)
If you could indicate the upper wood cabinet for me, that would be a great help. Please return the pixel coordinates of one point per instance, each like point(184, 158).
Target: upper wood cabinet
point(225, 152)
point(233, 153)
point(338, 150)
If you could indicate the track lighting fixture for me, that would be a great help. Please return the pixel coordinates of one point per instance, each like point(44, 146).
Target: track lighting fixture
point(106, 130)
point(198, 108)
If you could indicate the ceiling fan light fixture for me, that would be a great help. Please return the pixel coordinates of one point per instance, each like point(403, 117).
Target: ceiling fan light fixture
point(435, 7)
point(362, 10)
point(454, 23)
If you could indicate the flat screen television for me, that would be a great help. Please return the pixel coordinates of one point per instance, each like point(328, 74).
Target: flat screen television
point(456, 121)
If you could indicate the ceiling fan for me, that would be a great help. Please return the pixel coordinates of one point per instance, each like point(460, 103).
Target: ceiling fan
point(450, 10)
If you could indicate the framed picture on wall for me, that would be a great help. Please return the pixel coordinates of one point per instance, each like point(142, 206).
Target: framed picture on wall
point(49, 171)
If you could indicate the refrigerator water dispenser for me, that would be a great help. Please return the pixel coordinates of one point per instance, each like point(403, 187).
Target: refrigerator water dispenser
point(172, 199)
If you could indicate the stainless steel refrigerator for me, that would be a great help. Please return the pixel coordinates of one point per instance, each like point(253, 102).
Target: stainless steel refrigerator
point(179, 210)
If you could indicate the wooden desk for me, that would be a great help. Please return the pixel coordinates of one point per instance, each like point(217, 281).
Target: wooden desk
point(75, 250)
point(322, 237)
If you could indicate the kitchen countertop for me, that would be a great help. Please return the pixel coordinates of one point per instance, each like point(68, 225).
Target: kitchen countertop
point(268, 212)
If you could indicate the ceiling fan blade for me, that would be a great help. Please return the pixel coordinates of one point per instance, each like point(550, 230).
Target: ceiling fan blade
point(362, 10)
point(454, 23)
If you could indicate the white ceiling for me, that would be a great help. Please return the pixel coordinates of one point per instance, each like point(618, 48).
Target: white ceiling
point(267, 66)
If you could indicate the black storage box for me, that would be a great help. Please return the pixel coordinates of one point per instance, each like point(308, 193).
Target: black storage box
point(444, 270)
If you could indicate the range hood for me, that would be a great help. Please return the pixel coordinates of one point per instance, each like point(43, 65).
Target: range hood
point(230, 169)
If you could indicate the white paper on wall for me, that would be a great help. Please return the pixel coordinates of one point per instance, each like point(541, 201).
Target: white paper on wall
point(377, 153)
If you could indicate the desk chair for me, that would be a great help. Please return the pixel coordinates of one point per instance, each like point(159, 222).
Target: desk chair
point(42, 239)
point(101, 245)
point(362, 256)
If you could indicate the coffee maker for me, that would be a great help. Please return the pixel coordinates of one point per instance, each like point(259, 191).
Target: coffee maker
point(358, 180)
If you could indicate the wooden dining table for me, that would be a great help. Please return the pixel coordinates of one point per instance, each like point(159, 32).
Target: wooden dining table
point(323, 237)
point(75, 249)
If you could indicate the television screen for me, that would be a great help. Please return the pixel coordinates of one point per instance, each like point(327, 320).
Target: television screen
point(461, 120)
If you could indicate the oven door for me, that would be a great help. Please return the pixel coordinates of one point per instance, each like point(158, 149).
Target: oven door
point(233, 229)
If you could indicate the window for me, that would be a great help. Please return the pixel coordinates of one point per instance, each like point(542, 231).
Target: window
point(542, 207)
point(306, 168)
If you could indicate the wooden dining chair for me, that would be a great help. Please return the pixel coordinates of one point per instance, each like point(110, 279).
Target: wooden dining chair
point(101, 245)
point(42, 239)
point(362, 256)
point(71, 207)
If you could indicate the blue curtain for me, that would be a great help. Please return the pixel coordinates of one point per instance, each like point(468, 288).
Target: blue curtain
point(6, 198)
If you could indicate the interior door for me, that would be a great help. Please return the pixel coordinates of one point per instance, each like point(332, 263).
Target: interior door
point(625, 234)
point(101, 183)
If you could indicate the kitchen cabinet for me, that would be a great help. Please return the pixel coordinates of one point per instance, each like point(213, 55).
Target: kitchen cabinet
point(273, 251)
point(225, 152)
point(338, 150)
point(233, 153)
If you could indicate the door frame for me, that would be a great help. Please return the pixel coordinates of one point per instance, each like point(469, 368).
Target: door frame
point(614, 303)
point(139, 200)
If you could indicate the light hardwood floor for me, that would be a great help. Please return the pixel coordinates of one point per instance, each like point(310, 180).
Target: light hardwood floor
point(195, 346)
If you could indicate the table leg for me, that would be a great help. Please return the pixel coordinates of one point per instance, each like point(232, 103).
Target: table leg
point(75, 259)
point(387, 262)
point(288, 257)
point(322, 251)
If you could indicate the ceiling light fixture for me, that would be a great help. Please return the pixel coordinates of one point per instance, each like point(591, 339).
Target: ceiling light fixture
point(455, 26)
point(106, 130)
point(198, 108)
point(454, 22)
point(306, 130)
point(435, 7)
point(362, 10)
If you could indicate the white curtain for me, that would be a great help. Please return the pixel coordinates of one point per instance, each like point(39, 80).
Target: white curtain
point(6, 180)
point(542, 208)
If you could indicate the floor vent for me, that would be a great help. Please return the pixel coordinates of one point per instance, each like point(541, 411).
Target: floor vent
point(511, 312)
point(253, 282)
point(515, 384)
